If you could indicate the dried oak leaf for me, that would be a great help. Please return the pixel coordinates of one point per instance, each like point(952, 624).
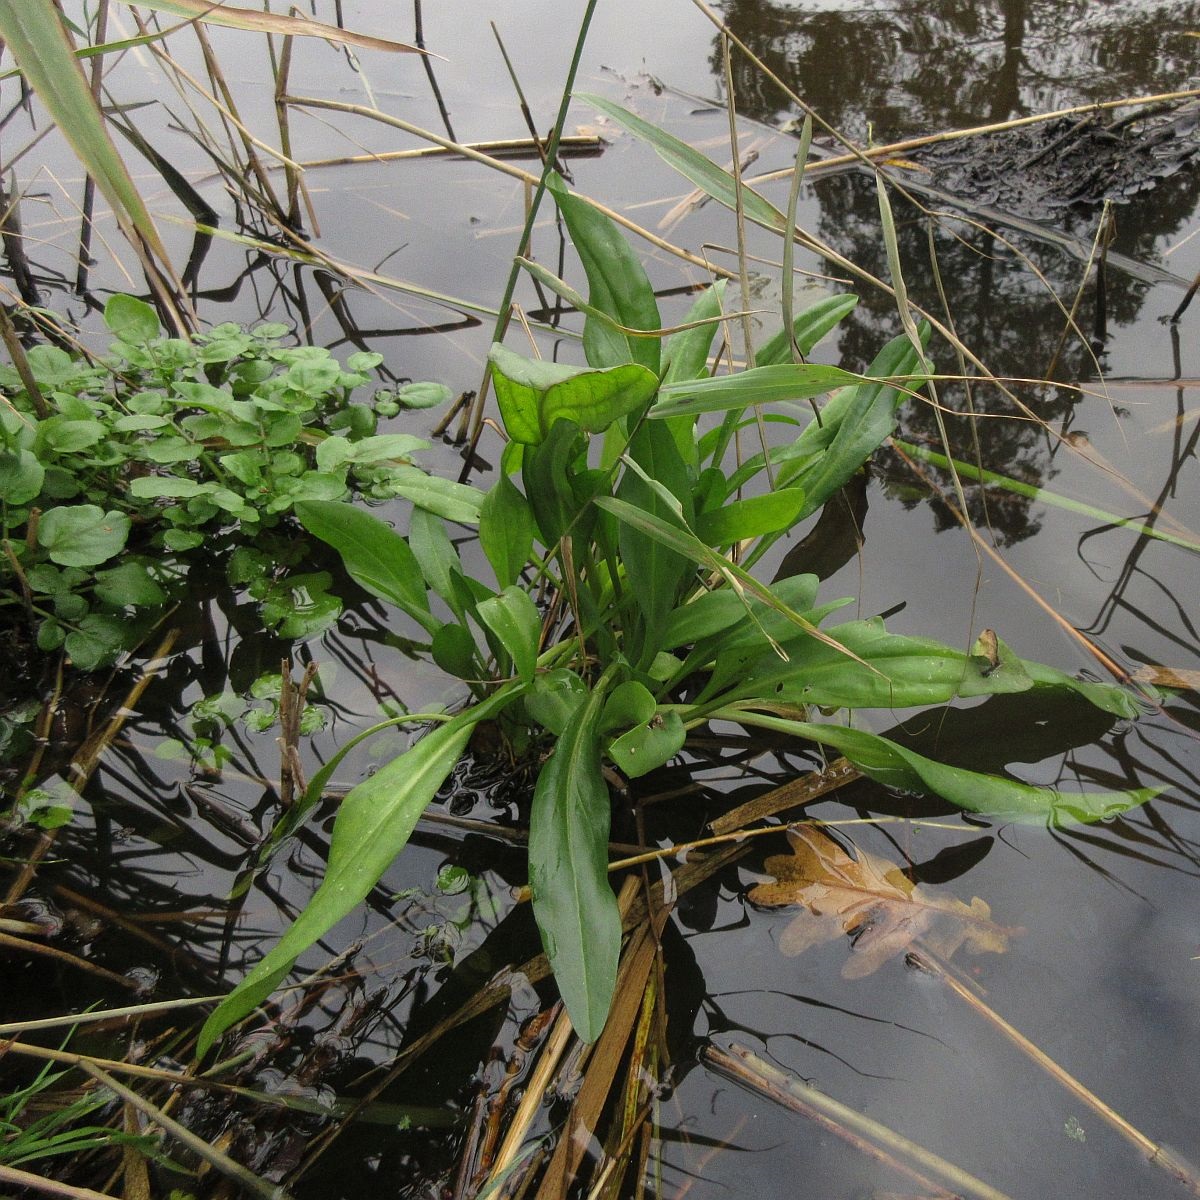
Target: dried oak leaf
point(872, 900)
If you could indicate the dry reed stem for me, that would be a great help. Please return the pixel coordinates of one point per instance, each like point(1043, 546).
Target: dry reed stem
point(792, 794)
point(133, 1012)
point(869, 1136)
point(531, 1102)
point(49, 1187)
point(1156, 1154)
point(575, 146)
point(504, 168)
point(607, 1055)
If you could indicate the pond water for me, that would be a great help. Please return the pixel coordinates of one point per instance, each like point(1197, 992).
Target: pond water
point(1101, 971)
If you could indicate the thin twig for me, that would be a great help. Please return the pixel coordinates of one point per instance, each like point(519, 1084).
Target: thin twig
point(38, 950)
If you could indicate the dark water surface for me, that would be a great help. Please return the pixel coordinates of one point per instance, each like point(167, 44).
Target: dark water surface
point(1103, 976)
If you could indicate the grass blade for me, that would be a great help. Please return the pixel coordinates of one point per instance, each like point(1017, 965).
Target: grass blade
point(33, 31)
point(268, 22)
point(691, 164)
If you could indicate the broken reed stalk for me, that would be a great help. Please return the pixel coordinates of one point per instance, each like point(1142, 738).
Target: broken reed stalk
point(638, 1100)
point(792, 794)
point(1155, 1153)
point(206, 1082)
point(292, 175)
point(39, 950)
point(570, 147)
point(531, 1102)
point(292, 700)
point(12, 343)
point(608, 1053)
point(132, 1012)
point(865, 1134)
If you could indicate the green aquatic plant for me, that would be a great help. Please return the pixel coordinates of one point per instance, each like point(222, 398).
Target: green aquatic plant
point(114, 471)
point(619, 499)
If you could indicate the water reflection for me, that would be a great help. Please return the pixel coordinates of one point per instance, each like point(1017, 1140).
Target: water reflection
point(917, 66)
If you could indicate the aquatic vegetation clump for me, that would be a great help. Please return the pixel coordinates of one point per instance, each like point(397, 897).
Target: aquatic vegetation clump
point(115, 471)
point(619, 496)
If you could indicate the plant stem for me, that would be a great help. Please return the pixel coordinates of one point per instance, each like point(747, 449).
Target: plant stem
point(551, 156)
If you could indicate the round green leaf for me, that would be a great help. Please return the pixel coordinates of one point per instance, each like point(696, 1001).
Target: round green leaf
point(21, 476)
point(421, 395)
point(82, 535)
point(132, 320)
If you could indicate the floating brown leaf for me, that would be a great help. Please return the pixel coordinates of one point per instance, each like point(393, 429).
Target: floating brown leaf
point(1168, 677)
point(871, 899)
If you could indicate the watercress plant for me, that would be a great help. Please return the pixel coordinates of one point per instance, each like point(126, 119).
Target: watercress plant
point(119, 468)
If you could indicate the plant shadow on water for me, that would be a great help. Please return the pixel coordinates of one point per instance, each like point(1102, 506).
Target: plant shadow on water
point(149, 881)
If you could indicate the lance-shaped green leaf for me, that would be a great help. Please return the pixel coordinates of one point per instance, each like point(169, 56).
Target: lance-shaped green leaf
point(685, 354)
point(854, 422)
point(372, 826)
point(809, 328)
point(573, 903)
point(438, 560)
point(533, 394)
point(889, 671)
point(897, 767)
point(506, 529)
point(453, 649)
point(773, 512)
point(722, 611)
point(457, 502)
point(653, 572)
point(617, 285)
point(514, 618)
point(268, 22)
point(685, 542)
point(759, 385)
point(375, 556)
point(691, 164)
point(32, 30)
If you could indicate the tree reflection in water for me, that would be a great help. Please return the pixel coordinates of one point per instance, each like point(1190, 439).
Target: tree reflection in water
point(921, 66)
